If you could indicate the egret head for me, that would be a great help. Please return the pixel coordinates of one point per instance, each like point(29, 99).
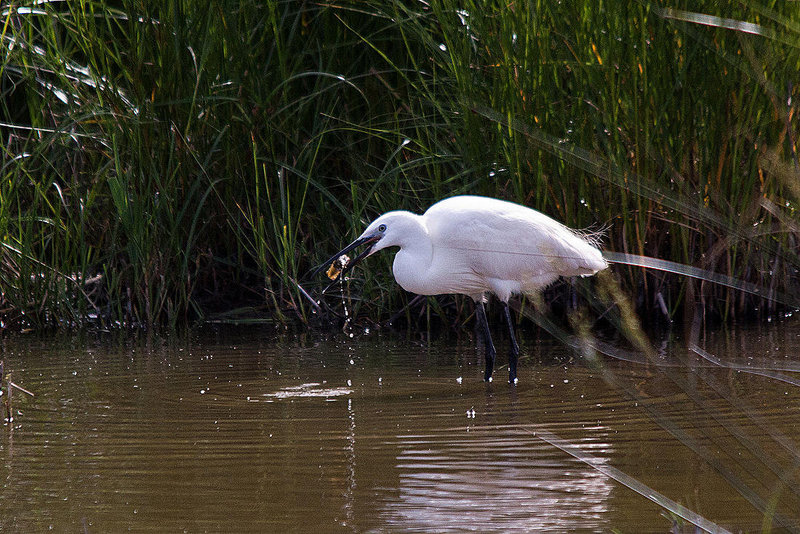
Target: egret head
point(395, 228)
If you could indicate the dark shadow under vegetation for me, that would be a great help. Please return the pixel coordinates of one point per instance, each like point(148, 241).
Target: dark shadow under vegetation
point(166, 163)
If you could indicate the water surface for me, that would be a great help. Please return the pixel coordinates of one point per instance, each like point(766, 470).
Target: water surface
point(240, 431)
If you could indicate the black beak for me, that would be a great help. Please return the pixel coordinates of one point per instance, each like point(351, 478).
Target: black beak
point(371, 240)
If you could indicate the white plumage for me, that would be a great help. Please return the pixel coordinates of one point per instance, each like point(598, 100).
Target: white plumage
point(475, 245)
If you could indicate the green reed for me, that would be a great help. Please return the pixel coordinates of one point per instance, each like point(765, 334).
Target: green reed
point(167, 162)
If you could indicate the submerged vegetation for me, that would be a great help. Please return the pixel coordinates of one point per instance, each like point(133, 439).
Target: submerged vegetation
point(170, 161)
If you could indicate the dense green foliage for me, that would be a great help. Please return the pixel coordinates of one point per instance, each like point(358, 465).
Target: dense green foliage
point(164, 161)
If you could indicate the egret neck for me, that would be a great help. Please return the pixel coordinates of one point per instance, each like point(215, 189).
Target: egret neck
point(416, 251)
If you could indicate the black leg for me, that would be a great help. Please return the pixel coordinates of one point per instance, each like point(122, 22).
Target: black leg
point(483, 324)
point(514, 352)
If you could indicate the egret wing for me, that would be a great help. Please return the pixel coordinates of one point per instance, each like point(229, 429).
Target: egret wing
point(506, 241)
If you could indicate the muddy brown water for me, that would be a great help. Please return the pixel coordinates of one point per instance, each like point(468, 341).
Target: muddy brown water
point(240, 431)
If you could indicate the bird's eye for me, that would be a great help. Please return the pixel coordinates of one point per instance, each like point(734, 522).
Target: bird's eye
point(382, 228)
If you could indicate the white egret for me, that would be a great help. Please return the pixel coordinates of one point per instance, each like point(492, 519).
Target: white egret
point(477, 245)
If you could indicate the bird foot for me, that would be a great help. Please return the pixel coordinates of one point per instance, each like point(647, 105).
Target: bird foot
point(487, 375)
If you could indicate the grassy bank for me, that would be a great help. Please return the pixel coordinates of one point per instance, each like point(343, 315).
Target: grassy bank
point(170, 161)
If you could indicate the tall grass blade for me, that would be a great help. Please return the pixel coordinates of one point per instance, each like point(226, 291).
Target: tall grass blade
point(639, 487)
